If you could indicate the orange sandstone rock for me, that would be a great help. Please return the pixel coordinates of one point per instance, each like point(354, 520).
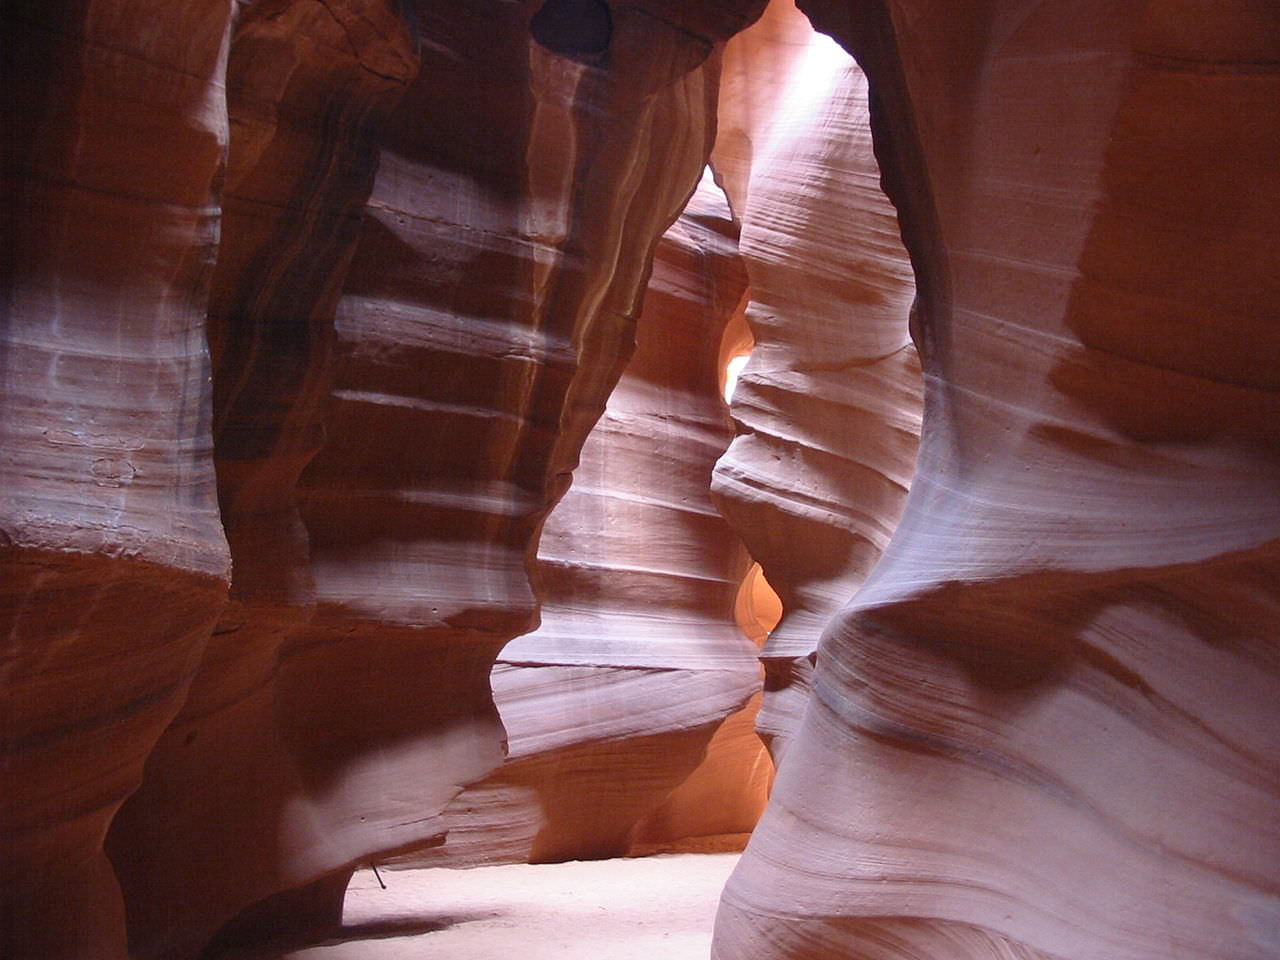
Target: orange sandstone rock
point(611, 703)
point(223, 816)
point(828, 407)
point(113, 566)
point(1046, 727)
point(431, 276)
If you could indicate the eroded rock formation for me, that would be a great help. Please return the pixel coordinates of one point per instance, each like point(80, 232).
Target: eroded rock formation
point(611, 702)
point(828, 406)
point(1046, 726)
point(229, 811)
point(113, 565)
point(310, 306)
point(436, 233)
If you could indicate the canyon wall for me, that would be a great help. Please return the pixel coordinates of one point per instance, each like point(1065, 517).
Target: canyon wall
point(611, 703)
point(311, 305)
point(1046, 726)
point(432, 231)
point(113, 564)
point(228, 812)
point(827, 409)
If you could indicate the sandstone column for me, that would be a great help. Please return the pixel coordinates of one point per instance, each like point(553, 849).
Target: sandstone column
point(1047, 726)
point(828, 406)
point(611, 703)
point(113, 567)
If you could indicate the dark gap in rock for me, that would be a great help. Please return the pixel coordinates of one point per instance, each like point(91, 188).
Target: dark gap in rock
point(573, 28)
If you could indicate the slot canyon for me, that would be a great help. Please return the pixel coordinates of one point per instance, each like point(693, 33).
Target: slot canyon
point(820, 458)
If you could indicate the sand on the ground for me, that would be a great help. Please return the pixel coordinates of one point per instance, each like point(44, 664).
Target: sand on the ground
point(631, 909)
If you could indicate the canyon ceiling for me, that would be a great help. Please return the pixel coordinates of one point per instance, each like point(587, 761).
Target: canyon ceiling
point(367, 494)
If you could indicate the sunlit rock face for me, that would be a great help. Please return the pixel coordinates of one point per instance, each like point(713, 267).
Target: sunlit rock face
point(113, 566)
point(611, 702)
point(1047, 725)
point(828, 406)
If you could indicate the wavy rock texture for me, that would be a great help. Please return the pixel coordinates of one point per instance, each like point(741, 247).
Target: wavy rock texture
point(113, 566)
point(828, 407)
point(1047, 726)
point(427, 286)
point(226, 815)
point(610, 704)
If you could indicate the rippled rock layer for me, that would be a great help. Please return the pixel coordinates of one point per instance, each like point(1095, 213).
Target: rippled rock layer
point(1046, 726)
point(827, 408)
point(611, 703)
point(113, 565)
point(311, 305)
point(432, 230)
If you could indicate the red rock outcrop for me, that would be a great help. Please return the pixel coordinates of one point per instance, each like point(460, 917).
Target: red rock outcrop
point(611, 703)
point(828, 406)
point(113, 566)
point(1046, 727)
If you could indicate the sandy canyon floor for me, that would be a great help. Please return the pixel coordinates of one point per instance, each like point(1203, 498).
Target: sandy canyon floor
point(632, 909)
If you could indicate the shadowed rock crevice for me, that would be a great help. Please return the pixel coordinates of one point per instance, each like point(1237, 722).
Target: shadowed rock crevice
point(573, 28)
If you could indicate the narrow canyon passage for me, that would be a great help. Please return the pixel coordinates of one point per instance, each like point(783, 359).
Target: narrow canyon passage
point(508, 441)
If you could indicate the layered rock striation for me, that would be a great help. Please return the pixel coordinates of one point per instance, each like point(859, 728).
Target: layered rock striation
point(228, 812)
point(432, 232)
point(113, 564)
point(827, 409)
point(461, 343)
point(310, 307)
point(1046, 725)
point(611, 702)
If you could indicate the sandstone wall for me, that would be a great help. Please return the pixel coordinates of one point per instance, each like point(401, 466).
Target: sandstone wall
point(827, 410)
point(113, 565)
point(611, 702)
point(432, 230)
point(1046, 726)
point(310, 306)
point(226, 814)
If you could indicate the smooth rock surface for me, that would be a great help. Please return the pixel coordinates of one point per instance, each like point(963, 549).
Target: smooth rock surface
point(113, 565)
point(1046, 727)
point(216, 824)
point(827, 409)
point(317, 301)
point(437, 233)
